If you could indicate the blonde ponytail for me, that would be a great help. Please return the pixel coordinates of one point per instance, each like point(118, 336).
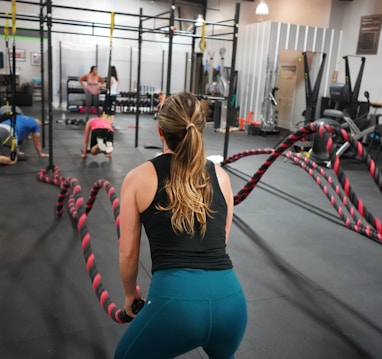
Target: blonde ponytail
point(188, 186)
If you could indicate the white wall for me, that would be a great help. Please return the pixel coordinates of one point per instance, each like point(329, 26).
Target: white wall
point(372, 77)
point(259, 50)
point(299, 12)
point(331, 14)
point(24, 68)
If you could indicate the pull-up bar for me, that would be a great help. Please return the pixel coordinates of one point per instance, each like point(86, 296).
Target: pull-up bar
point(171, 33)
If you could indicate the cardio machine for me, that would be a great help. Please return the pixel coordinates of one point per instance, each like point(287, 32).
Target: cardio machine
point(346, 111)
point(311, 97)
point(311, 94)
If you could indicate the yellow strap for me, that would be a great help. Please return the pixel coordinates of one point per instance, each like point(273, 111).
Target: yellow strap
point(6, 27)
point(6, 140)
point(203, 42)
point(14, 144)
point(111, 26)
point(13, 17)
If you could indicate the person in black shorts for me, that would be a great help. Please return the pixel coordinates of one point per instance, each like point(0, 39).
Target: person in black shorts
point(101, 135)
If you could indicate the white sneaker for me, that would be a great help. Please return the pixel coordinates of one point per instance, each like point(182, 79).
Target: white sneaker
point(101, 144)
point(109, 147)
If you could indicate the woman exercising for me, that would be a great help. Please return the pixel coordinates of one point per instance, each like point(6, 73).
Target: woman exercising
point(185, 204)
point(101, 135)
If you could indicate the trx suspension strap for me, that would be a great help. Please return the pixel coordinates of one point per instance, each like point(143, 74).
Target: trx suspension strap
point(11, 112)
point(108, 94)
point(6, 37)
point(13, 81)
point(203, 41)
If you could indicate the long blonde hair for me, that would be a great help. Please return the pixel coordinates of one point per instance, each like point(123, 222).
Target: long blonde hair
point(188, 186)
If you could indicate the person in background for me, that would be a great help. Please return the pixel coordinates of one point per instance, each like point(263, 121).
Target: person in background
point(101, 135)
point(161, 100)
point(6, 146)
point(92, 83)
point(111, 97)
point(24, 127)
point(185, 204)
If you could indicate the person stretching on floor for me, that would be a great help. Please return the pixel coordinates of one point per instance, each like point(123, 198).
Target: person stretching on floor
point(6, 144)
point(185, 204)
point(25, 125)
point(101, 135)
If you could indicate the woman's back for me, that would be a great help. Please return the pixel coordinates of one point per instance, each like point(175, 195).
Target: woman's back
point(181, 250)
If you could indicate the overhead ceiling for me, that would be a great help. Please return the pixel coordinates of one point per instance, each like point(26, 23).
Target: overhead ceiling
point(200, 2)
point(180, 2)
point(185, 10)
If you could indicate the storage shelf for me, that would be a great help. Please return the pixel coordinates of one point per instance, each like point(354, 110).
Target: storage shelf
point(75, 94)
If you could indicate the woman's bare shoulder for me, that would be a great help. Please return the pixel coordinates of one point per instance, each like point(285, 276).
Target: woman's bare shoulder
point(222, 175)
point(140, 173)
point(141, 183)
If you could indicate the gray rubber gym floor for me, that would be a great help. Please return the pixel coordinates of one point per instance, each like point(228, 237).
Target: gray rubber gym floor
point(313, 286)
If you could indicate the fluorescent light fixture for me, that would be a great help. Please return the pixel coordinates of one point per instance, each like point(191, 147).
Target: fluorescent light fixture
point(199, 20)
point(262, 8)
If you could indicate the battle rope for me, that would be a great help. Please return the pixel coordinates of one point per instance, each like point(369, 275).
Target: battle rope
point(358, 224)
point(354, 205)
point(69, 187)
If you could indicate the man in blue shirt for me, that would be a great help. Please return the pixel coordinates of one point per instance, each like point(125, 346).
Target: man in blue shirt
point(24, 126)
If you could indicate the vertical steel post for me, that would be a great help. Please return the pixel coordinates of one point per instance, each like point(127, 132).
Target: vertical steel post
point(232, 80)
point(137, 109)
point(170, 41)
point(50, 81)
point(42, 76)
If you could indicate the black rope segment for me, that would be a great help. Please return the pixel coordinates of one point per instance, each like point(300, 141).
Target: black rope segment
point(359, 218)
point(79, 210)
point(310, 166)
point(354, 220)
point(274, 154)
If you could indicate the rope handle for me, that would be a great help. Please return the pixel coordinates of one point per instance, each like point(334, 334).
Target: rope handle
point(136, 308)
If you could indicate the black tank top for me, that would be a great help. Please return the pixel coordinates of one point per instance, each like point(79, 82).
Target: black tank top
point(171, 250)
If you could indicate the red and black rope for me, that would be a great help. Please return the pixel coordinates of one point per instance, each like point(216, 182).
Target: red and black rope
point(354, 219)
point(79, 210)
point(274, 154)
point(358, 213)
point(344, 191)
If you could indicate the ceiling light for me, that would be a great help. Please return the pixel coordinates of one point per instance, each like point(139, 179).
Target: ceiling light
point(199, 20)
point(262, 8)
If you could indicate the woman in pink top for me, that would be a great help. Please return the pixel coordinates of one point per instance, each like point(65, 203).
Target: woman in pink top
point(93, 86)
point(101, 139)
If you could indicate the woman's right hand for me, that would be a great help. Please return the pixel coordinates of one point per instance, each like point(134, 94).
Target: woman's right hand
point(129, 301)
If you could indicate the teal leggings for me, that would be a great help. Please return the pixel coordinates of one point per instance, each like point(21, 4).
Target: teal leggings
point(186, 309)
